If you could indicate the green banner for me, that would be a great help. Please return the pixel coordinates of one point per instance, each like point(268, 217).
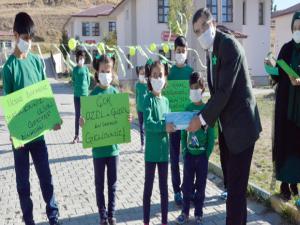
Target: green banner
point(271, 70)
point(178, 92)
point(30, 112)
point(106, 120)
point(289, 71)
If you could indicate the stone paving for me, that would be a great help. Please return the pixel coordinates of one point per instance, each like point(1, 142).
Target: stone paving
point(73, 177)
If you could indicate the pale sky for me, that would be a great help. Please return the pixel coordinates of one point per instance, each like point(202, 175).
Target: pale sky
point(283, 4)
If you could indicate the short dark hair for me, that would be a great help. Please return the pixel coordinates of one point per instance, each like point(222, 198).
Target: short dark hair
point(200, 12)
point(24, 24)
point(196, 78)
point(180, 41)
point(98, 60)
point(138, 69)
point(79, 53)
point(152, 66)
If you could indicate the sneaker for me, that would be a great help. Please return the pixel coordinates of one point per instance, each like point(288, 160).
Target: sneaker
point(199, 220)
point(294, 189)
point(103, 221)
point(285, 192)
point(112, 221)
point(224, 195)
point(54, 221)
point(29, 222)
point(178, 199)
point(75, 140)
point(182, 219)
point(142, 149)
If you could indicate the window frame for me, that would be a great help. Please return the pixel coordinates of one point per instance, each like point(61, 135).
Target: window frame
point(86, 29)
point(226, 13)
point(211, 4)
point(164, 16)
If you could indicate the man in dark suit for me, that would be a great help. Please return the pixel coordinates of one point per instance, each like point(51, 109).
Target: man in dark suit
point(233, 106)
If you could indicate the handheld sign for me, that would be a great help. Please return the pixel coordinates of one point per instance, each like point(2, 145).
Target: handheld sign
point(106, 120)
point(178, 92)
point(271, 70)
point(30, 112)
point(181, 120)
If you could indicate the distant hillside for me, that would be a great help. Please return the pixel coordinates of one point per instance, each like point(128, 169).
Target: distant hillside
point(48, 15)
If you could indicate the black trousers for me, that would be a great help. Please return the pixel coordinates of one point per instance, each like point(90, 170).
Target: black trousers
point(237, 168)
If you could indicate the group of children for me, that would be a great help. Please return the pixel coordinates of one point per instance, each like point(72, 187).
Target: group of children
point(24, 68)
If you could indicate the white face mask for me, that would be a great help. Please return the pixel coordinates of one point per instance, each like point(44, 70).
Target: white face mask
point(142, 78)
point(81, 62)
point(296, 36)
point(158, 84)
point(180, 58)
point(24, 46)
point(105, 79)
point(206, 39)
point(195, 95)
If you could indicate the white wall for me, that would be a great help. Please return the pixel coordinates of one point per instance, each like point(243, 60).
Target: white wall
point(283, 33)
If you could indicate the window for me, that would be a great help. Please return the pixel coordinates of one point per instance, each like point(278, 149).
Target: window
point(261, 9)
point(227, 11)
point(244, 13)
point(163, 11)
point(95, 29)
point(86, 29)
point(212, 5)
point(112, 26)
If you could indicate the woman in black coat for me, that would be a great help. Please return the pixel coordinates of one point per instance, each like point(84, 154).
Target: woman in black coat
point(286, 141)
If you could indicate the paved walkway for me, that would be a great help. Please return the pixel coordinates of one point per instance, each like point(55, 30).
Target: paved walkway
point(73, 177)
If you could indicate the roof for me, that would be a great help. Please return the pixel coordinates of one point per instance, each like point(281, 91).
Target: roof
point(99, 10)
point(290, 10)
point(236, 34)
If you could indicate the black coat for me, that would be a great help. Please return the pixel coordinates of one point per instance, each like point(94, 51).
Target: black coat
point(232, 99)
point(286, 140)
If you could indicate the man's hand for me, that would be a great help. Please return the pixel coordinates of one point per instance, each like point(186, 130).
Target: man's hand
point(295, 81)
point(194, 125)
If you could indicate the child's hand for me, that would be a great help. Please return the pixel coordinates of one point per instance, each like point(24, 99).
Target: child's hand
point(130, 117)
point(58, 126)
point(81, 122)
point(170, 128)
point(11, 141)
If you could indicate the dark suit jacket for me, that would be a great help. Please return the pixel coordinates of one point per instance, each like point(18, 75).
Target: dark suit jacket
point(232, 100)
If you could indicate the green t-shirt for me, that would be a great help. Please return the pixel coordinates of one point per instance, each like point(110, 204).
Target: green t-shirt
point(111, 150)
point(157, 140)
point(19, 73)
point(141, 91)
point(81, 81)
point(199, 142)
point(180, 73)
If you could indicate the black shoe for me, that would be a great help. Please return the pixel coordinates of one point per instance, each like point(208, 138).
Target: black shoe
point(30, 222)
point(103, 221)
point(294, 189)
point(285, 192)
point(112, 221)
point(54, 222)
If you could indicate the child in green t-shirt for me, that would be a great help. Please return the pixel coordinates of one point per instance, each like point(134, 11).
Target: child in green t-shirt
point(107, 156)
point(196, 148)
point(21, 70)
point(141, 90)
point(157, 140)
point(81, 82)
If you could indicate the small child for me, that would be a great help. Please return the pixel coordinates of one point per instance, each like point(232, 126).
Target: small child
point(157, 141)
point(196, 148)
point(107, 156)
point(81, 82)
point(141, 91)
point(22, 69)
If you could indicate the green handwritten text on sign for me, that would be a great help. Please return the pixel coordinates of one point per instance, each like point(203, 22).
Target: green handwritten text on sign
point(178, 92)
point(106, 120)
point(30, 112)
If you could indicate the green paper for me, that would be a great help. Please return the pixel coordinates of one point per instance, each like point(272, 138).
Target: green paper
point(30, 112)
point(271, 70)
point(106, 120)
point(289, 71)
point(178, 92)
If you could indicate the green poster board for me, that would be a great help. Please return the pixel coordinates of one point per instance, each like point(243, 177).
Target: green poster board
point(106, 120)
point(30, 112)
point(271, 70)
point(178, 92)
point(289, 71)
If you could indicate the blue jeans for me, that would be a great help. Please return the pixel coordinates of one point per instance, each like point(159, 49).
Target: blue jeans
point(141, 125)
point(163, 187)
point(39, 155)
point(194, 166)
point(111, 163)
point(77, 114)
point(174, 157)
